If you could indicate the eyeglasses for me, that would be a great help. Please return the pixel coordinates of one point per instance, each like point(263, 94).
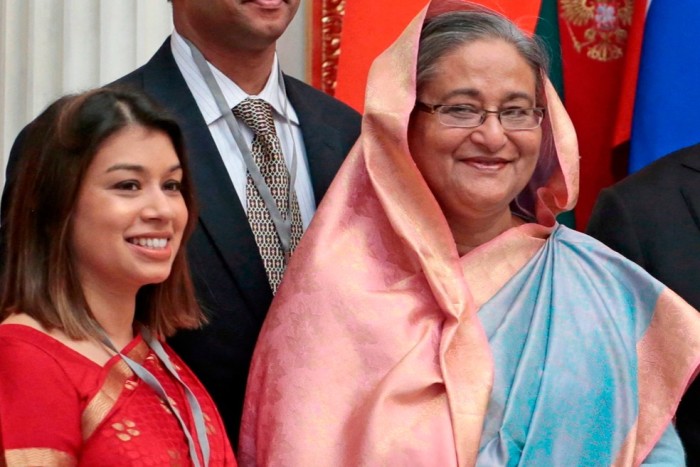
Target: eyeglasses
point(466, 116)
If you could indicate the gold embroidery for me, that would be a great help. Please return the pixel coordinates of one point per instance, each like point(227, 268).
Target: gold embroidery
point(332, 13)
point(37, 456)
point(126, 430)
point(102, 403)
point(176, 459)
point(210, 426)
point(603, 25)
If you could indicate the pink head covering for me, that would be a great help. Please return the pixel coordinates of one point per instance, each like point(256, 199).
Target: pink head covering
point(390, 98)
point(380, 255)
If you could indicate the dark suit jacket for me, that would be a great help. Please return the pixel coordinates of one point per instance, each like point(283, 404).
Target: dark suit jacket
point(653, 218)
point(226, 266)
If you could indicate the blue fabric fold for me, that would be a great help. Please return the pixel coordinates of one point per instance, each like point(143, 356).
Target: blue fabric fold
point(564, 332)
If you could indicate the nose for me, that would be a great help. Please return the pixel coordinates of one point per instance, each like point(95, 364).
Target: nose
point(158, 205)
point(490, 134)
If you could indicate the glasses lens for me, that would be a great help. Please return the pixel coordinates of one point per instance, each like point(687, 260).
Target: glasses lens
point(460, 115)
point(521, 119)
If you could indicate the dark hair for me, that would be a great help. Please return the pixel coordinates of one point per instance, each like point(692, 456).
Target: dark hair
point(446, 32)
point(39, 276)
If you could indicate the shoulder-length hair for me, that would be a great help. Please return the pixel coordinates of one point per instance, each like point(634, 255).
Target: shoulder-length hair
point(40, 277)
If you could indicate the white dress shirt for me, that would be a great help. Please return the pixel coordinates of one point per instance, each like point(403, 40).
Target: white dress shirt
point(234, 95)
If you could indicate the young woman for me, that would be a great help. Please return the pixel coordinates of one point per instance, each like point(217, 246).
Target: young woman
point(95, 278)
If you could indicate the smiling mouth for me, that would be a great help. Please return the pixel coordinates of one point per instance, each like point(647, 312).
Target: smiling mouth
point(268, 3)
point(484, 163)
point(150, 243)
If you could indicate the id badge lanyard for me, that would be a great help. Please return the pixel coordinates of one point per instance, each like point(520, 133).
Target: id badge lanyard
point(148, 378)
point(283, 224)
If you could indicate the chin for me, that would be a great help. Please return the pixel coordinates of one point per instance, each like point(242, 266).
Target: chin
point(153, 278)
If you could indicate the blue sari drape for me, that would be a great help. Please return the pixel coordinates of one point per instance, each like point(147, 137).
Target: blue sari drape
point(564, 333)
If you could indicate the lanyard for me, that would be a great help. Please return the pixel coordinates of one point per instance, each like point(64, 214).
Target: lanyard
point(148, 378)
point(283, 224)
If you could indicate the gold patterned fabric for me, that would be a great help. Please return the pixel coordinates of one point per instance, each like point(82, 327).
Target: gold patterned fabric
point(267, 153)
point(119, 378)
point(37, 457)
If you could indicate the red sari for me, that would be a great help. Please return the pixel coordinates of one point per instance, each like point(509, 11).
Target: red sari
point(59, 408)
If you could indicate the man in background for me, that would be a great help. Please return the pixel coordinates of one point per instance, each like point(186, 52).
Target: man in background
point(653, 218)
point(237, 39)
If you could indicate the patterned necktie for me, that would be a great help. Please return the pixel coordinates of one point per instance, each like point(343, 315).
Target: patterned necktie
point(267, 153)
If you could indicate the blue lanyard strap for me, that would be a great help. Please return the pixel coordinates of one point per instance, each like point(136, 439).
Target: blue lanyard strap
point(148, 378)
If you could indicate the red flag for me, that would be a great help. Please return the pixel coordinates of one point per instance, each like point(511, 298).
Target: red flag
point(370, 26)
point(594, 42)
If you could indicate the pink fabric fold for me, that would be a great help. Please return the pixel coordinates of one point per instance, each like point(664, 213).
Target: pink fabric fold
point(372, 352)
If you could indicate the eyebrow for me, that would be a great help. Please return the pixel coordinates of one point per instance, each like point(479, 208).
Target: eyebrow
point(138, 168)
point(471, 92)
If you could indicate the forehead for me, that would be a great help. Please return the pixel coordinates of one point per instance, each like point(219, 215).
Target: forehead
point(485, 68)
point(135, 144)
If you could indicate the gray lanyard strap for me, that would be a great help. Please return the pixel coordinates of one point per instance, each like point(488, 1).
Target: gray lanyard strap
point(148, 378)
point(283, 225)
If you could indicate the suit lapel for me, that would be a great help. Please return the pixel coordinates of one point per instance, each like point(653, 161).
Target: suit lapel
point(323, 150)
point(690, 182)
point(221, 214)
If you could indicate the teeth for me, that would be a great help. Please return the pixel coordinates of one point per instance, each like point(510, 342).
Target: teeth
point(153, 243)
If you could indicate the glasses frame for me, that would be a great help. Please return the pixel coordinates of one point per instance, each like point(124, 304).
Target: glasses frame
point(435, 109)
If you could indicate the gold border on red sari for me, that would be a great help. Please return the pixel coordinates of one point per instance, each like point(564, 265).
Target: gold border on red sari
point(105, 399)
point(36, 456)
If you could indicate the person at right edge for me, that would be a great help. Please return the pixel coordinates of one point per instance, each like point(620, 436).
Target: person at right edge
point(454, 322)
point(653, 218)
point(237, 40)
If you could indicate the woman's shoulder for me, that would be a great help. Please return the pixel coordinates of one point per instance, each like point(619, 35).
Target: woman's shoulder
point(42, 392)
point(25, 332)
point(30, 358)
point(26, 346)
point(589, 259)
point(586, 246)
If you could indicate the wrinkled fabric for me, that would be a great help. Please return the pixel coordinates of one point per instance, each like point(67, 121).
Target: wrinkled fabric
point(566, 386)
point(384, 347)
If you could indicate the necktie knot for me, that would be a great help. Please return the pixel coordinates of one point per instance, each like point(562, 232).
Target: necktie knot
point(257, 114)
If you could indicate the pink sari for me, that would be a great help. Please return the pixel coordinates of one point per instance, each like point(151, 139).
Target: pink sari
point(377, 350)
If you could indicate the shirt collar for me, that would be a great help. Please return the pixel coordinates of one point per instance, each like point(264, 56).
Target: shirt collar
point(234, 95)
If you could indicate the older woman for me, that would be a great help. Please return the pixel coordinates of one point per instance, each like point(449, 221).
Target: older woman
point(95, 278)
point(436, 313)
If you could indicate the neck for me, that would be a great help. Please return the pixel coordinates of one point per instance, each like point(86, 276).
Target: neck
point(114, 311)
point(471, 233)
point(248, 68)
